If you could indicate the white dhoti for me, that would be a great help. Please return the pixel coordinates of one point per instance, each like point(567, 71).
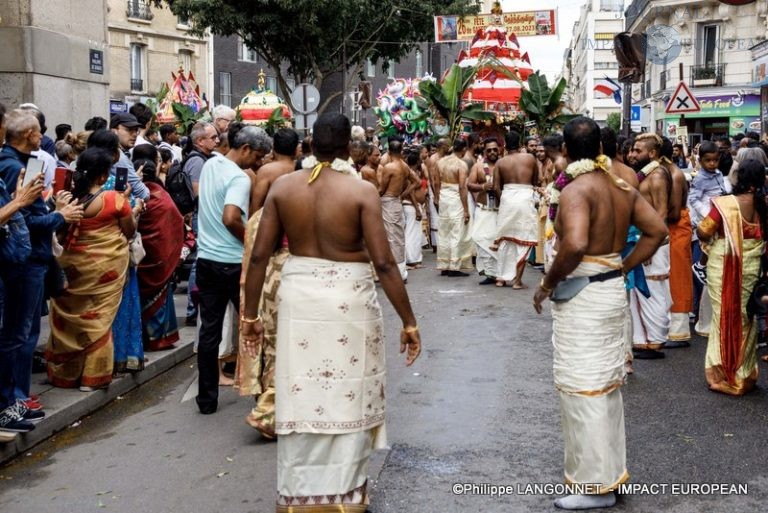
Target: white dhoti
point(454, 248)
point(394, 223)
point(650, 316)
point(484, 232)
point(330, 383)
point(588, 365)
point(434, 217)
point(518, 229)
point(413, 235)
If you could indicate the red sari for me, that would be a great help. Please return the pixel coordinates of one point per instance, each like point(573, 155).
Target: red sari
point(162, 234)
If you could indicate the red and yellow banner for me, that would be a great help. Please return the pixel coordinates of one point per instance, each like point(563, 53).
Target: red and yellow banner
point(450, 29)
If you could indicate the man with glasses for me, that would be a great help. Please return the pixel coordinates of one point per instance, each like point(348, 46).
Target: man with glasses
point(205, 138)
point(222, 117)
point(480, 184)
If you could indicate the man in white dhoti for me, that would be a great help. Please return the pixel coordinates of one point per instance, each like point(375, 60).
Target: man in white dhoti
point(515, 177)
point(395, 183)
point(412, 207)
point(454, 247)
point(650, 315)
point(330, 369)
point(588, 309)
point(442, 148)
point(484, 229)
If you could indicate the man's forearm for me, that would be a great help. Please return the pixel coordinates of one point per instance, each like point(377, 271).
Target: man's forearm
point(565, 262)
point(644, 249)
point(237, 229)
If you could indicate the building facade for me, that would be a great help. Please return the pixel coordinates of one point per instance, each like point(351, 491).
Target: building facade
point(146, 44)
point(590, 59)
point(707, 45)
point(55, 57)
point(236, 70)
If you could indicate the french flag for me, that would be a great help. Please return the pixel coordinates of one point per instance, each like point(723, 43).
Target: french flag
point(607, 88)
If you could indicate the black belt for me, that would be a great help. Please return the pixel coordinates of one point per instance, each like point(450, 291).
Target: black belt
point(608, 275)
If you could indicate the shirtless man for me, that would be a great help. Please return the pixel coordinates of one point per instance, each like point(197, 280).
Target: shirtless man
point(369, 171)
point(587, 328)
point(553, 146)
point(284, 151)
point(681, 258)
point(514, 179)
point(454, 248)
point(610, 150)
point(358, 152)
point(650, 315)
point(413, 200)
point(334, 227)
point(484, 230)
point(395, 180)
point(442, 148)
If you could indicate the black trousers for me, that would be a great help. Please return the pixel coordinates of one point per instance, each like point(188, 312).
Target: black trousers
point(218, 284)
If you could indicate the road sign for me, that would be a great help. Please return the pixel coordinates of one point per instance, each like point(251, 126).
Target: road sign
point(305, 98)
point(683, 101)
point(635, 116)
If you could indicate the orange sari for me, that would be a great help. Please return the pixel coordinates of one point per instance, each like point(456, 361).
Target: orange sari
point(80, 350)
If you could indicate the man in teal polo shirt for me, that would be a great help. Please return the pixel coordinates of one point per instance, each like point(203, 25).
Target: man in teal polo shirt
point(223, 200)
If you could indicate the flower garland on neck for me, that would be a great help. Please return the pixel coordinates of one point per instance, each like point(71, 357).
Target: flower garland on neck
point(647, 170)
point(340, 165)
point(573, 171)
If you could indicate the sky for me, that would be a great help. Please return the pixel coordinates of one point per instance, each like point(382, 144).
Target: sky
point(546, 52)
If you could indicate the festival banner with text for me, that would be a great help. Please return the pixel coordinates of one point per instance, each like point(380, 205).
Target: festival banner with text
point(451, 29)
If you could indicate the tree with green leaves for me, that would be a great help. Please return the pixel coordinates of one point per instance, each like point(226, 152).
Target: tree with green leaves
point(543, 104)
point(614, 121)
point(317, 38)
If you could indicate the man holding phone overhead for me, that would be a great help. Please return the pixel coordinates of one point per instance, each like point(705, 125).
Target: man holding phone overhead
point(24, 282)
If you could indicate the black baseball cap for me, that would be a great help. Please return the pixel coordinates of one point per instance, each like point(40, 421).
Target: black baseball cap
point(127, 120)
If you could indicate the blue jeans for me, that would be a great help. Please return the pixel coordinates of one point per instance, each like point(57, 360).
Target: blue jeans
point(21, 329)
point(192, 281)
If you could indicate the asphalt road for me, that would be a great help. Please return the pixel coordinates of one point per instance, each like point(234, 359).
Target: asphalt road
point(479, 407)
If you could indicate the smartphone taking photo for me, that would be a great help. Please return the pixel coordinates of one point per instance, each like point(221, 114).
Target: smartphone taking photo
point(63, 180)
point(34, 169)
point(121, 179)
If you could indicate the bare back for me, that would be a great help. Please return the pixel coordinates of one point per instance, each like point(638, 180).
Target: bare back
point(324, 219)
point(265, 177)
point(449, 174)
point(520, 168)
point(609, 209)
point(624, 172)
point(394, 178)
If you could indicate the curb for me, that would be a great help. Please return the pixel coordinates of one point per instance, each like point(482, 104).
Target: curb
point(65, 406)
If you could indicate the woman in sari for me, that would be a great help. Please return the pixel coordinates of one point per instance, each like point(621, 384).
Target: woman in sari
point(162, 233)
point(80, 349)
point(126, 329)
point(737, 223)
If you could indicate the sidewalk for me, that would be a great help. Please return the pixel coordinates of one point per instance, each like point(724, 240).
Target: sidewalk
point(63, 407)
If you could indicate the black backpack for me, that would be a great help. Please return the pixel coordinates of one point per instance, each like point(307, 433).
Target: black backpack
point(178, 183)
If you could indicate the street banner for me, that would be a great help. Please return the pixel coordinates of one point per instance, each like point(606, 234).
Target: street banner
point(452, 29)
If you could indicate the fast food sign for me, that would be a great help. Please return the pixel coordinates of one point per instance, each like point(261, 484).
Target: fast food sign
point(452, 29)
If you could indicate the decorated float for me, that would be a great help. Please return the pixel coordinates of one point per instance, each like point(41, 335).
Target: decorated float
point(400, 110)
point(262, 106)
point(180, 100)
point(502, 70)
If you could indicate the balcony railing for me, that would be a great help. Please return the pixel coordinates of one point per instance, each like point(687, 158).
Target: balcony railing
point(703, 76)
point(137, 84)
point(139, 9)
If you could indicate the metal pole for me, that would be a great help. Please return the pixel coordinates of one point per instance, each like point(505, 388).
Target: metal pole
point(626, 110)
